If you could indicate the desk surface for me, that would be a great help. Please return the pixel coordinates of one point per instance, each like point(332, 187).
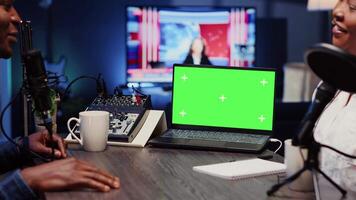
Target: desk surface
point(154, 173)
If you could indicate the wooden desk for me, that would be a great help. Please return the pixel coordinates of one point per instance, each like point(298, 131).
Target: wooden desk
point(153, 173)
point(329, 192)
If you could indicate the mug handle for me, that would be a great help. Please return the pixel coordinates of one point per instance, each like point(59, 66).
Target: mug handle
point(72, 129)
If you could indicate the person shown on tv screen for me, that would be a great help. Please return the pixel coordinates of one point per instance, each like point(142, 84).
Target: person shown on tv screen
point(336, 126)
point(62, 174)
point(197, 55)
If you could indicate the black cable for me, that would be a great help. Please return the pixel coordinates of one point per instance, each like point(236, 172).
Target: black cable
point(118, 91)
point(10, 139)
point(138, 91)
point(1, 120)
point(55, 75)
point(101, 87)
point(340, 152)
point(54, 80)
point(75, 80)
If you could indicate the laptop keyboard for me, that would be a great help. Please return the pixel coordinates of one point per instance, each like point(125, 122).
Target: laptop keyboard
point(215, 136)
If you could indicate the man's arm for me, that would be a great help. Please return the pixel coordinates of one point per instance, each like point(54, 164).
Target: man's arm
point(12, 186)
point(10, 157)
point(54, 176)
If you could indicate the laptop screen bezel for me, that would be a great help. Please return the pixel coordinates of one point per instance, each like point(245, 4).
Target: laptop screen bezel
point(226, 129)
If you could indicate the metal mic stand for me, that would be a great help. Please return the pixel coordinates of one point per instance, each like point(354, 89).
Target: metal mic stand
point(312, 164)
point(25, 45)
point(47, 121)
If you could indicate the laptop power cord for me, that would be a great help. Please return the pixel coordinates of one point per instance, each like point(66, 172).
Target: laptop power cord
point(267, 155)
point(276, 140)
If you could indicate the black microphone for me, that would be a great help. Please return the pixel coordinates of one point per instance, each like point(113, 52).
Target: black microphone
point(36, 78)
point(324, 94)
point(333, 65)
point(337, 69)
point(37, 83)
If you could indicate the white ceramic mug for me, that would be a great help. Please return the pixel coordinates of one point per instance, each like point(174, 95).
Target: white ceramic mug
point(94, 127)
point(294, 158)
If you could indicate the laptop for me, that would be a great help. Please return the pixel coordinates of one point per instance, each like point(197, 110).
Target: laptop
point(220, 108)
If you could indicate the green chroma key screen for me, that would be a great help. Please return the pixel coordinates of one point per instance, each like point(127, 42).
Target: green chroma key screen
point(223, 97)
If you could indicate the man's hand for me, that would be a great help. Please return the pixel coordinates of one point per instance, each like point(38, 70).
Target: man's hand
point(68, 174)
point(38, 142)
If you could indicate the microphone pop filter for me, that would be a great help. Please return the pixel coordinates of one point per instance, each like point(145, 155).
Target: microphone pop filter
point(332, 65)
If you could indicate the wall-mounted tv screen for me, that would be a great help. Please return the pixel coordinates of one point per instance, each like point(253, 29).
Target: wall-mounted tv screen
point(158, 37)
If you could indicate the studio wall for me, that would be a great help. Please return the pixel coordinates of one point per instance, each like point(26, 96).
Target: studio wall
point(91, 36)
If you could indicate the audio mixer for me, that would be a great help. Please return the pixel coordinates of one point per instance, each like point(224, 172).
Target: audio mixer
point(127, 115)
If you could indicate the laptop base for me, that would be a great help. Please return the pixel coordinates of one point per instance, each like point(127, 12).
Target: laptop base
point(207, 145)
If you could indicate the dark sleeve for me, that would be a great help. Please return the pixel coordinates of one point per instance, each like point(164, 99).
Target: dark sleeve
point(10, 157)
point(12, 186)
point(188, 59)
point(205, 60)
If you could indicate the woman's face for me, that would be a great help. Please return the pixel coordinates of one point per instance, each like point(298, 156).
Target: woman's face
point(197, 46)
point(344, 25)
